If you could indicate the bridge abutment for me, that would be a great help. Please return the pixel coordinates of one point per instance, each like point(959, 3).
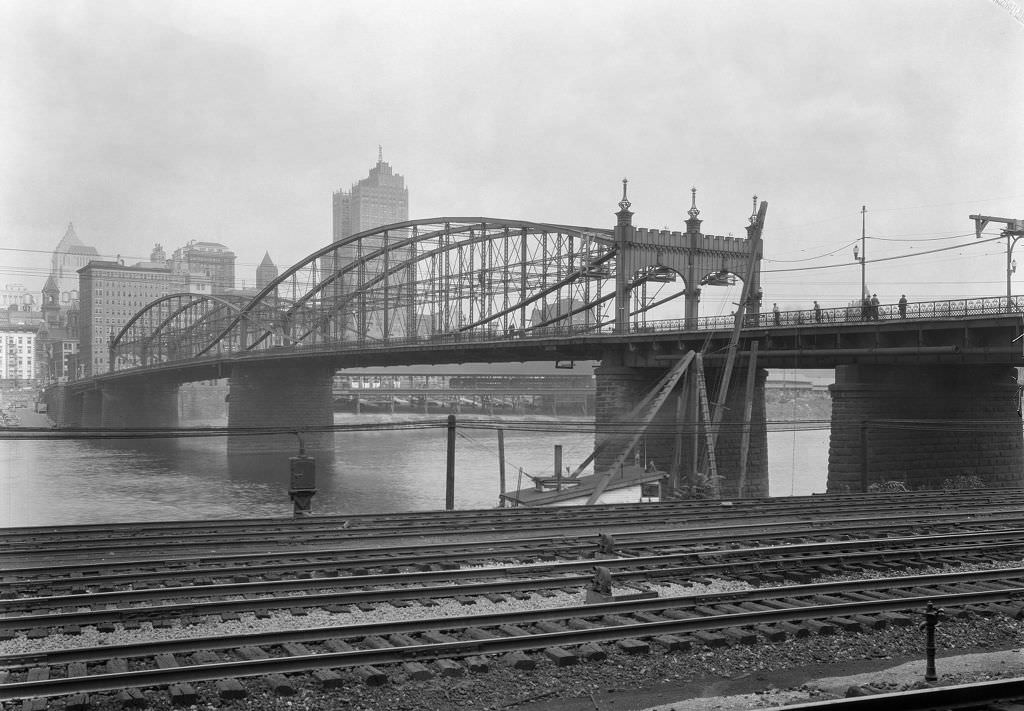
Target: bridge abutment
point(923, 424)
point(291, 397)
point(149, 404)
point(620, 388)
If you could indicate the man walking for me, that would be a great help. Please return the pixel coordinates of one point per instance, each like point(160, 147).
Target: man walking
point(903, 306)
point(817, 312)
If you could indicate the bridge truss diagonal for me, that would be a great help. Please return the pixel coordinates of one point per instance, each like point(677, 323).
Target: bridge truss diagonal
point(396, 284)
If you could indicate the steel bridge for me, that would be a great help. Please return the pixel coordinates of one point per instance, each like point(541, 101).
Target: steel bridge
point(480, 289)
point(474, 289)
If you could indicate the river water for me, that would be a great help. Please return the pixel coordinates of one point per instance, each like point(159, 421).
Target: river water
point(374, 471)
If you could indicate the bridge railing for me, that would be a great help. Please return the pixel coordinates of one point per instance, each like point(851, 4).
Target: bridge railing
point(852, 314)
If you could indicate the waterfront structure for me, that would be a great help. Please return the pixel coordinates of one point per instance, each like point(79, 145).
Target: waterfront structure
point(207, 258)
point(70, 255)
point(17, 354)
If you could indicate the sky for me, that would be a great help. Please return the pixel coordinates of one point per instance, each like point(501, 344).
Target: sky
point(235, 122)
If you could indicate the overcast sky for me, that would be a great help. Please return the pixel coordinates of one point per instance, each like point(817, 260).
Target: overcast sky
point(234, 122)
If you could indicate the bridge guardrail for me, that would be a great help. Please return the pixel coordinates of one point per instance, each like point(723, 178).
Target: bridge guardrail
point(851, 314)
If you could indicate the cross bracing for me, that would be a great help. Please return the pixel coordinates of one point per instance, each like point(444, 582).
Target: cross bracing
point(419, 279)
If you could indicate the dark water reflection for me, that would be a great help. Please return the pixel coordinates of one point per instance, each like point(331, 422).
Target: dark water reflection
point(112, 480)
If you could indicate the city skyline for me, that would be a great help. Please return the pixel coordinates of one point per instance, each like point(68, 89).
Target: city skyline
point(238, 129)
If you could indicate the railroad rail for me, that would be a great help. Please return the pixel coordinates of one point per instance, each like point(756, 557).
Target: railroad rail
point(370, 609)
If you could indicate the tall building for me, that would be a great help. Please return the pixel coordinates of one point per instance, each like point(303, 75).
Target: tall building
point(378, 199)
point(381, 198)
point(210, 258)
point(69, 256)
point(110, 293)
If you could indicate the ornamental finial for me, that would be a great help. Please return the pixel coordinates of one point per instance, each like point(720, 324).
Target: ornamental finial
point(624, 203)
point(753, 213)
point(380, 153)
point(693, 211)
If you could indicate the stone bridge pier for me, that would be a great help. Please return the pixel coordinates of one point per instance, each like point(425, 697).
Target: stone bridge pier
point(151, 404)
point(292, 398)
point(923, 424)
point(620, 388)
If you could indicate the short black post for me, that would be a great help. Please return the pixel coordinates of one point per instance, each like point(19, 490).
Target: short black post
point(449, 482)
point(931, 619)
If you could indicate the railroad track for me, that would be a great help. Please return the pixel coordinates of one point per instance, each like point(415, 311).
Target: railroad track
point(366, 607)
point(563, 635)
point(106, 574)
point(384, 531)
point(757, 566)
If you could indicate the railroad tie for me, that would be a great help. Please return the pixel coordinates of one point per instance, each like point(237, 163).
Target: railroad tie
point(230, 689)
point(131, 698)
point(519, 660)
point(252, 653)
point(77, 702)
point(561, 656)
point(478, 665)
point(76, 669)
point(739, 635)
point(183, 695)
point(417, 671)
point(280, 685)
point(633, 646)
point(772, 633)
point(371, 675)
point(166, 661)
point(402, 640)
point(820, 627)
point(673, 643)
point(328, 678)
point(435, 637)
point(117, 666)
point(548, 626)
point(449, 668)
point(204, 656)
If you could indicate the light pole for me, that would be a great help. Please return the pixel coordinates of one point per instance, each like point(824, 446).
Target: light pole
point(1013, 232)
point(862, 258)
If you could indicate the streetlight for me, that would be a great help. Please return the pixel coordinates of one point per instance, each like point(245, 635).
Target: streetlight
point(1013, 232)
point(861, 256)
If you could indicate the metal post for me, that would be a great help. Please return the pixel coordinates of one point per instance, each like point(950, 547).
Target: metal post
point(501, 466)
point(863, 258)
point(558, 467)
point(931, 619)
point(449, 481)
point(864, 456)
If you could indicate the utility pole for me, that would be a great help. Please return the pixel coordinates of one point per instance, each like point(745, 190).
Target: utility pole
point(861, 255)
point(1013, 232)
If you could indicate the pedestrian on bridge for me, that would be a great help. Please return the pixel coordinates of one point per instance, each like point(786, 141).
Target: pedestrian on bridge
point(874, 306)
point(775, 313)
point(817, 312)
point(903, 306)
